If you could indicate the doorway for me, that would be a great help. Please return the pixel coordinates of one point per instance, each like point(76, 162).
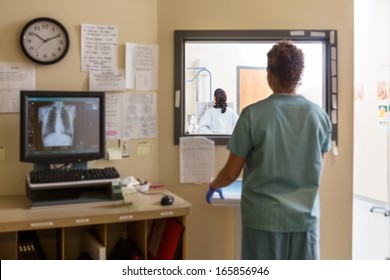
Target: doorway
point(371, 171)
point(252, 86)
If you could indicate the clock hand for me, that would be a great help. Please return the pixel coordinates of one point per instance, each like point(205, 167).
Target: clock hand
point(36, 50)
point(51, 38)
point(40, 37)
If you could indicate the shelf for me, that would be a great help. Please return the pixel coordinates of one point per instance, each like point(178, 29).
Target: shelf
point(60, 228)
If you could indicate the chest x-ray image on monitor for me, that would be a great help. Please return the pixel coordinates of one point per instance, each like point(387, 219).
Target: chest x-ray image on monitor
point(57, 124)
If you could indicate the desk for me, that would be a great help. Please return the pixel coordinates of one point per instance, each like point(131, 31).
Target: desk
point(60, 227)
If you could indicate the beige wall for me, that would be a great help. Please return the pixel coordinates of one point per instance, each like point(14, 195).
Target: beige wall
point(211, 229)
point(136, 21)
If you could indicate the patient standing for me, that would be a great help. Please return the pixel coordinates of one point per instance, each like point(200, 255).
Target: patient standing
point(219, 119)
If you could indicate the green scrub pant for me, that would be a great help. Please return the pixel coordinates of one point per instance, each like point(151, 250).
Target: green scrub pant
point(266, 245)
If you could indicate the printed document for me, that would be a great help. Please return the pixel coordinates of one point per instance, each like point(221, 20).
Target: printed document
point(13, 78)
point(197, 156)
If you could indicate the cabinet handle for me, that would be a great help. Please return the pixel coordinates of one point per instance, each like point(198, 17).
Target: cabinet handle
point(379, 209)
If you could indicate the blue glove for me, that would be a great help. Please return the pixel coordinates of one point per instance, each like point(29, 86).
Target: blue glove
point(210, 193)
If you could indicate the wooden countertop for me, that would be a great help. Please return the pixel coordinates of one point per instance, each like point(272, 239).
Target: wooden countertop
point(15, 215)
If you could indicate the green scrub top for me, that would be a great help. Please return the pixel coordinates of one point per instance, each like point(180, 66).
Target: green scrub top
point(282, 139)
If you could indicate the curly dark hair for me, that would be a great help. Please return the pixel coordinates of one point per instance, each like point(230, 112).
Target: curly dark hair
point(286, 62)
point(220, 99)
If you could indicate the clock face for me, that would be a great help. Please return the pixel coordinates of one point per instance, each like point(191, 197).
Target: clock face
point(44, 40)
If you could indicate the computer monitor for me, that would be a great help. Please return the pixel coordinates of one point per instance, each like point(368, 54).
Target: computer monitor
point(61, 127)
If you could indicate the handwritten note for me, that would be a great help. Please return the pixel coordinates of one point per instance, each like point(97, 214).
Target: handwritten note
point(99, 48)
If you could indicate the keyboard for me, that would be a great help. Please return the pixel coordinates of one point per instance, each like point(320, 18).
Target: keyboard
point(62, 175)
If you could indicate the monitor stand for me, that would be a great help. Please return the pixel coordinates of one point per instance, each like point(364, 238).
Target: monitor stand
point(78, 192)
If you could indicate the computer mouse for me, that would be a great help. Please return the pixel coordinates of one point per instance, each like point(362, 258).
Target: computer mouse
point(167, 200)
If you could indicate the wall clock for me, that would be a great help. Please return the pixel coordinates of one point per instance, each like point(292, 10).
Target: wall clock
point(44, 40)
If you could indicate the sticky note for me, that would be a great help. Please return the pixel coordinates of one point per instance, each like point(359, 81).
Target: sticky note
point(143, 148)
point(114, 153)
